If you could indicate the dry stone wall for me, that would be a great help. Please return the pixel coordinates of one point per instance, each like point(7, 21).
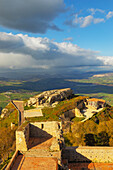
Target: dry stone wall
point(39, 130)
point(44, 129)
point(33, 113)
point(22, 138)
point(89, 154)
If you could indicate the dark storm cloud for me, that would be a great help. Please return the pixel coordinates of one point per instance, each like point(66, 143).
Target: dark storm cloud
point(34, 16)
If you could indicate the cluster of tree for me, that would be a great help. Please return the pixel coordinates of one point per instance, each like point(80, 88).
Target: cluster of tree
point(7, 142)
point(90, 133)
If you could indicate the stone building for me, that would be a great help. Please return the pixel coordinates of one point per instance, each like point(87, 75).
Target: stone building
point(96, 103)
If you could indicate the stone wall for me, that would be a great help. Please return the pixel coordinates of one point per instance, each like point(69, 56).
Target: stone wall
point(12, 161)
point(45, 129)
point(19, 105)
point(89, 154)
point(40, 130)
point(33, 113)
point(80, 104)
point(22, 138)
point(68, 115)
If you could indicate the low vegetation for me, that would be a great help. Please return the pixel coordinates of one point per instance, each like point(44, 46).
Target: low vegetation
point(51, 114)
point(7, 135)
point(98, 131)
point(14, 95)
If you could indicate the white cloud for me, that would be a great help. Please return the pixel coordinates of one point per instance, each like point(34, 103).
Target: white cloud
point(107, 60)
point(109, 15)
point(22, 51)
point(77, 20)
point(98, 20)
point(87, 21)
point(93, 10)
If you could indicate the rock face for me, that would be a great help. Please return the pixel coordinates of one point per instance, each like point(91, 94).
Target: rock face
point(50, 97)
point(78, 113)
point(4, 112)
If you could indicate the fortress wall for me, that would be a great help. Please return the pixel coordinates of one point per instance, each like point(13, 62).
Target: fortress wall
point(89, 154)
point(33, 113)
point(22, 138)
point(80, 105)
point(44, 129)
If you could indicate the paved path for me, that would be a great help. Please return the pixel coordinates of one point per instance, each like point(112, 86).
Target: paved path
point(35, 163)
point(89, 113)
point(91, 166)
point(38, 157)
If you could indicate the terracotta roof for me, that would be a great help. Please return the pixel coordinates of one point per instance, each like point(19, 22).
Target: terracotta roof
point(96, 100)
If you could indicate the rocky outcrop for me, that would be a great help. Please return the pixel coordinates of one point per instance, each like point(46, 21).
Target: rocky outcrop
point(78, 113)
point(50, 97)
point(4, 112)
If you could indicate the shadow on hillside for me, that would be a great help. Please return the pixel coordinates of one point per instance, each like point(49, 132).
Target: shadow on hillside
point(38, 136)
point(100, 139)
point(59, 83)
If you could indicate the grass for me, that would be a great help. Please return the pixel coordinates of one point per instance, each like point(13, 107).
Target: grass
point(105, 115)
point(12, 116)
point(106, 96)
point(108, 80)
point(5, 163)
point(53, 114)
point(28, 108)
point(77, 119)
point(5, 98)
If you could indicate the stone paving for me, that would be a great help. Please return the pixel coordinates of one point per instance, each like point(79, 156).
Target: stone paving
point(90, 166)
point(35, 163)
point(38, 156)
point(89, 113)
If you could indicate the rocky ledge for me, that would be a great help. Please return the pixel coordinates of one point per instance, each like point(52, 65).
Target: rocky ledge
point(50, 98)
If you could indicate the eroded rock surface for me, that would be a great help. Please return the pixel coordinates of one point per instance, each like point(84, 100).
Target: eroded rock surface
point(50, 97)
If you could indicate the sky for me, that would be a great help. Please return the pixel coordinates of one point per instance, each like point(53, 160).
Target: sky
point(49, 35)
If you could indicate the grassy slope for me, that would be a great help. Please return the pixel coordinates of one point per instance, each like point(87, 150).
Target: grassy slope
point(54, 113)
point(107, 97)
point(22, 95)
point(11, 116)
point(97, 131)
point(105, 81)
point(8, 135)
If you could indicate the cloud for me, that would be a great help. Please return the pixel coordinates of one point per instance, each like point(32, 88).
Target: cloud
point(16, 61)
point(22, 51)
point(107, 60)
point(93, 10)
point(77, 20)
point(98, 20)
point(68, 39)
point(34, 16)
point(86, 21)
point(109, 15)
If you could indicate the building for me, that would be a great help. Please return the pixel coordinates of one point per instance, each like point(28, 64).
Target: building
point(96, 103)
